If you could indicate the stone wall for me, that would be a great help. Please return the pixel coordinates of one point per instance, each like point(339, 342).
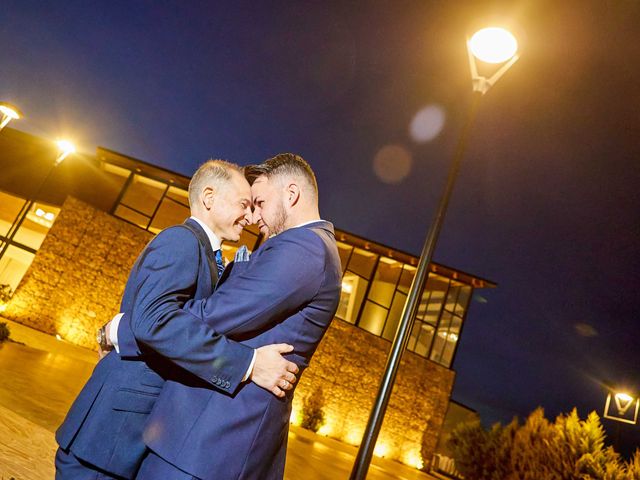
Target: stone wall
point(77, 277)
point(75, 283)
point(348, 366)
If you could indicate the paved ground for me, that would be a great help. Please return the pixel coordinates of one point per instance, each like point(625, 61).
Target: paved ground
point(41, 376)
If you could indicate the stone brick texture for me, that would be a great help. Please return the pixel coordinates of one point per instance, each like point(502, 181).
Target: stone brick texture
point(78, 275)
point(348, 366)
point(77, 278)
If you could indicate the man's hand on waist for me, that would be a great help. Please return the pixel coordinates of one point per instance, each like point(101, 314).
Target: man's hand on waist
point(272, 371)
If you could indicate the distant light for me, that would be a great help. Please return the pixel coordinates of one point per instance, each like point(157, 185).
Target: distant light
point(49, 216)
point(40, 212)
point(493, 45)
point(585, 330)
point(392, 163)
point(427, 124)
point(347, 287)
point(58, 337)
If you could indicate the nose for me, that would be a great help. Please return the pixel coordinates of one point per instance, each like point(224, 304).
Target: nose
point(254, 216)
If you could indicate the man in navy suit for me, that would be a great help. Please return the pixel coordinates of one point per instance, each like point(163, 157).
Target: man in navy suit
point(287, 292)
point(101, 437)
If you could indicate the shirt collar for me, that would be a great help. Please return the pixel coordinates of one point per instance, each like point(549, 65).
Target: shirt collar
point(308, 223)
point(215, 241)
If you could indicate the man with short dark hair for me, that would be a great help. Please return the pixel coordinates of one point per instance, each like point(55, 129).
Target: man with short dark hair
point(101, 437)
point(288, 292)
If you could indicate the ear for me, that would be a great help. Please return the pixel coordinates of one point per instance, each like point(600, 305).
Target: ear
point(208, 197)
point(292, 194)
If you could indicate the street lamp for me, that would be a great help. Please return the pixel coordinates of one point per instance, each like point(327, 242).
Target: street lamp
point(626, 407)
point(9, 112)
point(483, 46)
point(65, 148)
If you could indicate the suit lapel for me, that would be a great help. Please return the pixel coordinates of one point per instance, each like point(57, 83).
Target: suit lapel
point(206, 244)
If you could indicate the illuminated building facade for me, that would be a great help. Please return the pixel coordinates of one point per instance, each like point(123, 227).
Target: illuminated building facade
point(69, 259)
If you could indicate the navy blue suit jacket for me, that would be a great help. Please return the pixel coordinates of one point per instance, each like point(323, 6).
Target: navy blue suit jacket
point(287, 293)
point(105, 423)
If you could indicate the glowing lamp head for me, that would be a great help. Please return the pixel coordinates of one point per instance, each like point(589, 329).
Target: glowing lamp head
point(9, 111)
point(66, 147)
point(624, 397)
point(493, 45)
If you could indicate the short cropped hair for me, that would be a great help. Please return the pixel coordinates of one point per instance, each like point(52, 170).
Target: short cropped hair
point(283, 164)
point(212, 172)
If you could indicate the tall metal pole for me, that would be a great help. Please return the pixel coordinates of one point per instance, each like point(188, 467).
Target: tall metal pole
point(363, 459)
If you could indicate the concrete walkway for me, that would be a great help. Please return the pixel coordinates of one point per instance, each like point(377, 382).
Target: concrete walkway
point(40, 377)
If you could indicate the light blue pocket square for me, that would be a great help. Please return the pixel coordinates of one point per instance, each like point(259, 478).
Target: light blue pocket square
point(242, 255)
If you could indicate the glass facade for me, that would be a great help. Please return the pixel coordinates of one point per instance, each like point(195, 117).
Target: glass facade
point(374, 291)
point(23, 227)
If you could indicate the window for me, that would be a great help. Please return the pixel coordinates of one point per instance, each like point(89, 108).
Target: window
point(36, 225)
point(172, 210)
point(353, 290)
point(384, 281)
point(11, 206)
point(344, 251)
point(143, 195)
point(14, 265)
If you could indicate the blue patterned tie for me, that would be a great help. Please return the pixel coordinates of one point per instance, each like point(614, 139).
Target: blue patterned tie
point(219, 262)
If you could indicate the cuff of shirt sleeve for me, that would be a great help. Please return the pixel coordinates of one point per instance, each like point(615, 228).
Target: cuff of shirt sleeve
point(250, 369)
point(113, 332)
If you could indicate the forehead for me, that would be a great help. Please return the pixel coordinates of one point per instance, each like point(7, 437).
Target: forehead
point(238, 185)
point(261, 186)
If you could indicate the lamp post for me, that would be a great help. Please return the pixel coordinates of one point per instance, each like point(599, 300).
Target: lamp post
point(65, 148)
point(9, 112)
point(491, 45)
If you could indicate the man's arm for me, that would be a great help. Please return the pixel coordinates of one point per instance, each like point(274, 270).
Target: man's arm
point(166, 277)
point(279, 281)
point(282, 279)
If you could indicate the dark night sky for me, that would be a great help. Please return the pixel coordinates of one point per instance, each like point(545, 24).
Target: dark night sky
point(548, 199)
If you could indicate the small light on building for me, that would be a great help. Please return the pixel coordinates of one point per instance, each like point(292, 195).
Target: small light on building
point(49, 216)
point(296, 417)
point(326, 429)
point(347, 287)
point(3, 307)
point(413, 459)
point(40, 212)
point(353, 437)
point(381, 450)
point(58, 337)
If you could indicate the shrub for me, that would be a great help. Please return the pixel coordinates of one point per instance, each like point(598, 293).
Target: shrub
point(4, 332)
point(567, 449)
point(312, 413)
point(5, 293)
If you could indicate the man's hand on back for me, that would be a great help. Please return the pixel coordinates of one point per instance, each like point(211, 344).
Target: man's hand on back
point(272, 371)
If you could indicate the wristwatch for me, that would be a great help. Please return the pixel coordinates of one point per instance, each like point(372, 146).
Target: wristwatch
point(103, 341)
